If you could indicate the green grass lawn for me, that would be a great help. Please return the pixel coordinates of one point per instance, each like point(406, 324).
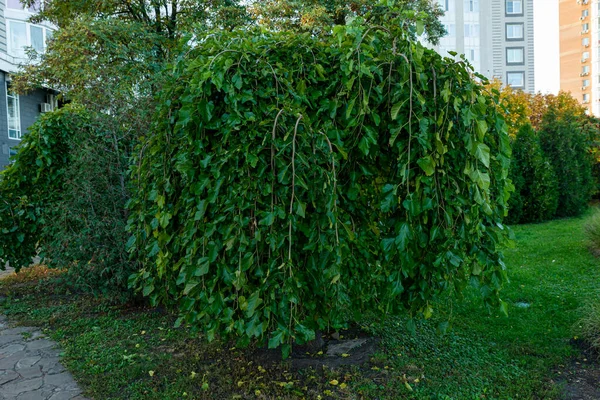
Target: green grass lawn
point(127, 352)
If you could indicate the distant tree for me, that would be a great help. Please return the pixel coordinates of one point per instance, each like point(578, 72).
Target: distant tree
point(319, 16)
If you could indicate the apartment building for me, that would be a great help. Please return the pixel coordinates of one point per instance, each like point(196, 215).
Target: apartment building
point(579, 46)
point(496, 36)
point(18, 112)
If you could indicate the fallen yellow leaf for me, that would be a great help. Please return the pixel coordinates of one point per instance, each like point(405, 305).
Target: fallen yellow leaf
point(334, 382)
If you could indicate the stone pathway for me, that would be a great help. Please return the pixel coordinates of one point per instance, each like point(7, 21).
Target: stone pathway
point(30, 367)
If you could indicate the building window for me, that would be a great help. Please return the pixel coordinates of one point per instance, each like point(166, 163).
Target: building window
point(450, 30)
point(586, 97)
point(585, 83)
point(585, 42)
point(472, 30)
point(585, 70)
point(585, 56)
point(514, 7)
point(515, 55)
point(11, 153)
point(445, 4)
point(585, 13)
point(22, 35)
point(585, 27)
point(514, 31)
point(472, 5)
point(17, 5)
point(515, 79)
point(14, 115)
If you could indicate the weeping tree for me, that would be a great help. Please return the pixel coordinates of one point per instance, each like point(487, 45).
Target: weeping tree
point(291, 183)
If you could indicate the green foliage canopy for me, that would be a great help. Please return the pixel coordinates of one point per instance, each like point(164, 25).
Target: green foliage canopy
point(319, 16)
point(291, 183)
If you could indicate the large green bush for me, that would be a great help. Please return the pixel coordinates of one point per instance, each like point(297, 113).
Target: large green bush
point(33, 182)
point(64, 200)
point(565, 143)
point(535, 197)
point(292, 183)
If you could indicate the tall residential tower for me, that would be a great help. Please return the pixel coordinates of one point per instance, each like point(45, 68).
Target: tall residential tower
point(496, 36)
point(579, 58)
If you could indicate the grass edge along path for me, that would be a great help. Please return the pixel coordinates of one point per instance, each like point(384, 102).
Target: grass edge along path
point(128, 352)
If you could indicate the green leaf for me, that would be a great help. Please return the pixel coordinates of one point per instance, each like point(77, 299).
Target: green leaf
point(482, 179)
point(427, 164)
point(276, 339)
point(396, 109)
point(504, 308)
point(300, 209)
point(403, 237)
point(482, 152)
point(253, 302)
point(201, 210)
point(202, 268)
point(482, 129)
point(189, 286)
point(148, 289)
point(420, 27)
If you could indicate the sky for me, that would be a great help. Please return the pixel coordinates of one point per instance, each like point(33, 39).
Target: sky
point(546, 49)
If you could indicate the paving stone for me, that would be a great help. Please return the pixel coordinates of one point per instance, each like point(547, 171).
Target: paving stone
point(40, 344)
point(9, 363)
point(63, 380)
point(18, 387)
point(27, 362)
point(8, 376)
point(11, 349)
point(65, 395)
point(31, 372)
point(6, 338)
point(39, 394)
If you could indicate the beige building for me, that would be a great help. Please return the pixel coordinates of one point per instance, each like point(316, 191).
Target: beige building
point(579, 60)
point(496, 36)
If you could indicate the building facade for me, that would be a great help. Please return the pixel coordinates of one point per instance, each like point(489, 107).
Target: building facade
point(579, 46)
point(18, 112)
point(496, 36)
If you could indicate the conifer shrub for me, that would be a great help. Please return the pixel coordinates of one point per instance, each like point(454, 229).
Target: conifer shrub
point(535, 197)
point(292, 183)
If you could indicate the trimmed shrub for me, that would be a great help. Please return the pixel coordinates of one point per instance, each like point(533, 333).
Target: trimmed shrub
point(565, 143)
point(535, 197)
point(292, 183)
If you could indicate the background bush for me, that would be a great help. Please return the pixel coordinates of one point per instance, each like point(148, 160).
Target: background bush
point(33, 182)
point(292, 183)
point(535, 197)
point(65, 198)
point(566, 144)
